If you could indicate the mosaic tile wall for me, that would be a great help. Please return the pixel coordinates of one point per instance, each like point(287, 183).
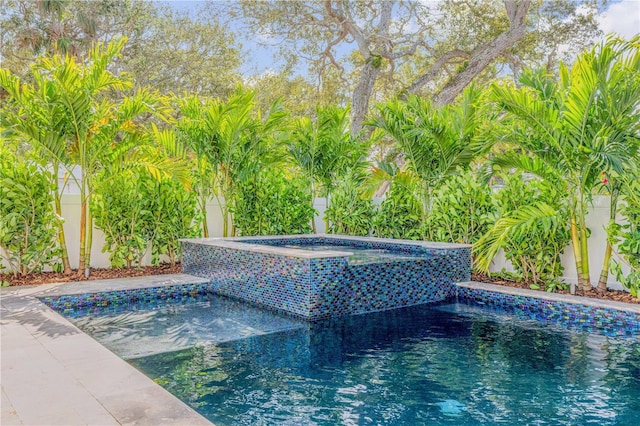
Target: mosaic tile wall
point(326, 287)
point(269, 280)
point(82, 304)
point(611, 322)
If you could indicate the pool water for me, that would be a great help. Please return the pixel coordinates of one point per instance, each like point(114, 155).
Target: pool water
point(362, 256)
point(450, 364)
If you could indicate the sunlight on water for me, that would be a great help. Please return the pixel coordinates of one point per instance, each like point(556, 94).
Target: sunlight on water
point(449, 364)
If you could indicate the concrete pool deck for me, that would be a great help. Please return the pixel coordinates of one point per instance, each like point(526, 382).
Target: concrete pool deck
point(54, 374)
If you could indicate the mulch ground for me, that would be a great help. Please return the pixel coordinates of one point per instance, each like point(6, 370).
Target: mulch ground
point(96, 274)
point(102, 274)
point(613, 295)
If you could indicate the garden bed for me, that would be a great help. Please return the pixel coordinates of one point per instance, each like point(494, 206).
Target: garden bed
point(96, 274)
point(613, 295)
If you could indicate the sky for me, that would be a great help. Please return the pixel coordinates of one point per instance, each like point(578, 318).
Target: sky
point(621, 17)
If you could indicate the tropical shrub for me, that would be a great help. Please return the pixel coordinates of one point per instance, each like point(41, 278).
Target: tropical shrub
point(120, 208)
point(628, 237)
point(28, 224)
point(231, 140)
point(324, 150)
point(78, 116)
point(462, 210)
point(436, 142)
point(570, 130)
point(350, 212)
point(534, 251)
point(173, 213)
point(271, 204)
point(399, 215)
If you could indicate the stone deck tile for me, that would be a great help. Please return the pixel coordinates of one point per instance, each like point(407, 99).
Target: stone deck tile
point(54, 374)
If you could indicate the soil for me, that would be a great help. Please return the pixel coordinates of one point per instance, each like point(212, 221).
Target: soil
point(613, 295)
point(107, 273)
point(96, 274)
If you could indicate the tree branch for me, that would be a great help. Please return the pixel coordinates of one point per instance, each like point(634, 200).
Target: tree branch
point(479, 58)
point(349, 26)
point(436, 69)
point(482, 56)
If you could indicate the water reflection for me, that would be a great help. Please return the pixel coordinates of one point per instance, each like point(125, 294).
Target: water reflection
point(442, 365)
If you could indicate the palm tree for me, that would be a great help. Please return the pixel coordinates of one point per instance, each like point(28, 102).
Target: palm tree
point(435, 142)
point(191, 131)
point(324, 149)
point(571, 131)
point(87, 129)
point(229, 141)
point(39, 103)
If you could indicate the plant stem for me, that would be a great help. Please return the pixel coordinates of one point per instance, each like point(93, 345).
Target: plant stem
point(62, 241)
point(577, 253)
point(83, 228)
point(604, 274)
point(586, 276)
point(89, 241)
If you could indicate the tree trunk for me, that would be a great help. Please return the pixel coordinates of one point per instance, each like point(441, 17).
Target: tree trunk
point(586, 276)
point(89, 242)
point(372, 60)
point(604, 274)
point(480, 57)
point(205, 226)
point(83, 226)
point(362, 94)
point(225, 221)
point(313, 219)
point(577, 253)
point(62, 241)
point(202, 204)
point(326, 218)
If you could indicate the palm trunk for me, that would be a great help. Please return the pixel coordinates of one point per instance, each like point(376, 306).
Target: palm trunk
point(225, 221)
point(326, 218)
point(202, 204)
point(604, 275)
point(313, 219)
point(426, 207)
point(62, 241)
point(83, 230)
point(583, 238)
point(227, 200)
point(205, 226)
point(89, 241)
point(584, 249)
point(577, 253)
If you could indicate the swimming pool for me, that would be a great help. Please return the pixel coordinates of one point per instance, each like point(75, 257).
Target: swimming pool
point(452, 363)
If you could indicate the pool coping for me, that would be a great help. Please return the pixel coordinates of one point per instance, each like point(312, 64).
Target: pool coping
point(239, 244)
point(555, 297)
point(53, 373)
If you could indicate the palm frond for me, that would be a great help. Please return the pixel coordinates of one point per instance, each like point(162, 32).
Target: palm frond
point(519, 222)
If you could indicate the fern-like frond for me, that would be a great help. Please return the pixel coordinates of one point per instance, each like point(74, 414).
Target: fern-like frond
point(518, 222)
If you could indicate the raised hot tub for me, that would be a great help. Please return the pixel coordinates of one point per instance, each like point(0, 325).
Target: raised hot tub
point(324, 276)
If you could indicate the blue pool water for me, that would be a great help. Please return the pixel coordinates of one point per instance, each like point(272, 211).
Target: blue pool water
point(363, 256)
point(451, 364)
